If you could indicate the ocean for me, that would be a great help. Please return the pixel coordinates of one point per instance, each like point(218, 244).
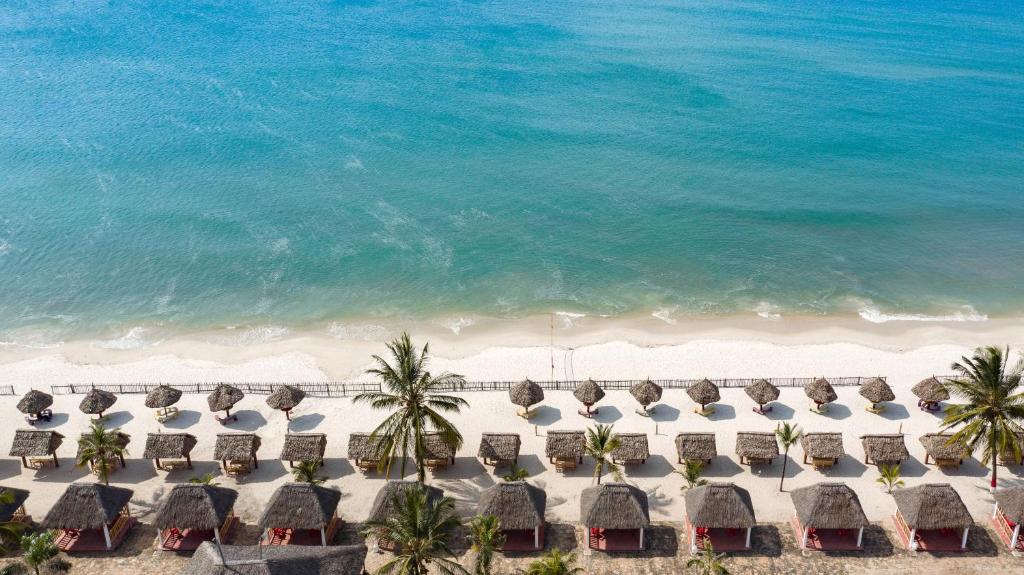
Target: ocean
point(198, 165)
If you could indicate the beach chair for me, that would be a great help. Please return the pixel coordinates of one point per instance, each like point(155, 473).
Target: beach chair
point(526, 413)
point(706, 412)
point(41, 462)
point(165, 414)
point(44, 415)
point(762, 410)
point(225, 420)
point(874, 409)
point(236, 468)
point(435, 464)
point(563, 465)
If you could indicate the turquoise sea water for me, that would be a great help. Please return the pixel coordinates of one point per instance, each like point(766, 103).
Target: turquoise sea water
point(207, 164)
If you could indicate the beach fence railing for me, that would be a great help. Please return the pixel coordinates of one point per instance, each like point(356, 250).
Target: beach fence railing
point(351, 388)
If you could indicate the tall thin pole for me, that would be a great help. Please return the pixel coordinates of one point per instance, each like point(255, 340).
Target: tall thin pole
point(551, 349)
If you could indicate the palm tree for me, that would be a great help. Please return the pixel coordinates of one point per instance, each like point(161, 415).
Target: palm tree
point(691, 473)
point(600, 444)
point(485, 537)
point(9, 530)
point(415, 404)
point(889, 476)
point(994, 407)
point(98, 447)
point(707, 562)
point(204, 479)
point(515, 474)
point(305, 472)
point(787, 434)
point(420, 531)
point(554, 562)
point(39, 548)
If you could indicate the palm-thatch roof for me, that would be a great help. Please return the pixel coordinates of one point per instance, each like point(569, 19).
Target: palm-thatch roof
point(526, 393)
point(614, 506)
point(304, 447)
point(932, 506)
point(822, 445)
point(276, 560)
point(517, 505)
point(35, 443)
point(87, 506)
point(123, 439)
point(885, 449)
point(168, 445)
point(435, 446)
point(301, 506)
point(696, 446)
point(383, 505)
point(360, 446)
point(195, 506)
point(588, 392)
point(285, 397)
point(757, 444)
point(224, 397)
point(828, 505)
point(632, 447)
point(820, 391)
point(499, 446)
point(35, 401)
point(938, 446)
point(162, 396)
point(7, 510)
point(564, 444)
point(931, 390)
point(646, 392)
point(720, 506)
point(97, 401)
point(877, 391)
point(704, 392)
point(236, 446)
point(762, 391)
point(1011, 502)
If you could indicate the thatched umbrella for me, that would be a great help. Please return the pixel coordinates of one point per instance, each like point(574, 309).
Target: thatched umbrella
point(518, 506)
point(876, 391)
point(588, 393)
point(646, 393)
point(36, 443)
point(34, 402)
point(526, 393)
point(213, 559)
point(704, 392)
point(930, 392)
point(162, 396)
point(762, 392)
point(96, 402)
point(820, 391)
point(285, 398)
point(224, 397)
point(196, 506)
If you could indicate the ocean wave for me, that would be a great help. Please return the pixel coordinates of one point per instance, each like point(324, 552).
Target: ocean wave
point(567, 317)
point(966, 314)
point(665, 314)
point(5, 246)
point(456, 324)
point(358, 332)
point(252, 336)
point(134, 339)
point(767, 310)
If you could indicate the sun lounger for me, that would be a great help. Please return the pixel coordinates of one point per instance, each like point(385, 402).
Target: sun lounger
point(707, 411)
point(44, 415)
point(166, 414)
point(563, 465)
point(225, 420)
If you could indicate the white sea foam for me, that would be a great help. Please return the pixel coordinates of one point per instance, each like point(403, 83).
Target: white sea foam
point(567, 317)
point(456, 324)
point(767, 310)
point(358, 332)
point(251, 336)
point(5, 246)
point(665, 314)
point(134, 339)
point(965, 314)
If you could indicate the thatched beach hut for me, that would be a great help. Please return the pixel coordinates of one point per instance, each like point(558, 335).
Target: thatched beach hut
point(304, 447)
point(823, 448)
point(364, 450)
point(223, 398)
point(565, 448)
point(756, 447)
point(14, 511)
point(632, 449)
point(721, 514)
point(211, 559)
point(96, 402)
point(438, 453)
point(36, 406)
point(498, 448)
point(821, 393)
point(614, 517)
point(193, 513)
point(90, 517)
point(383, 507)
point(704, 392)
point(285, 398)
point(519, 508)
point(588, 393)
point(167, 450)
point(829, 517)
point(694, 446)
point(237, 452)
point(931, 517)
point(526, 394)
point(645, 393)
point(301, 514)
point(122, 441)
point(930, 392)
point(36, 447)
point(876, 391)
point(162, 398)
point(945, 452)
point(763, 393)
point(1007, 516)
point(884, 448)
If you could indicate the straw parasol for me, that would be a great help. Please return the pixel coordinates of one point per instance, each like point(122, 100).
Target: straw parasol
point(35, 443)
point(212, 559)
point(932, 506)
point(614, 506)
point(285, 398)
point(517, 505)
point(224, 397)
point(383, 507)
point(499, 447)
point(828, 505)
point(758, 445)
point(301, 506)
point(704, 392)
point(162, 396)
point(87, 506)
point(35, 402)
point(884, 448)
point(930, 390)
point(762, 392)
point(632, 448)
point(97, 401)
point(820, 391)
point(195, 506)
point(646, 393)
point(525, 394)
point(876, 391)
point(588, 393)
point(720, 506)
point(304, 447)
point(693, 446)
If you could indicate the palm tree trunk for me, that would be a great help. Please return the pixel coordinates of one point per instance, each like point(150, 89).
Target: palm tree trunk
point(785, 460)
point(995, 456)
